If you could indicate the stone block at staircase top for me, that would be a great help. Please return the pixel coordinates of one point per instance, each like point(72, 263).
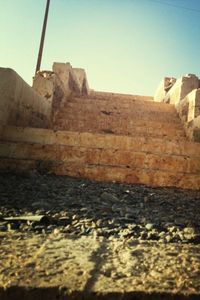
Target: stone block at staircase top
point(194, 104)
point(192, 129)
point(43, 83)
point(82, 80)
point(50, 87)
point(164, 86)
point(97, 95)
point(67, 76)
point(181, 88)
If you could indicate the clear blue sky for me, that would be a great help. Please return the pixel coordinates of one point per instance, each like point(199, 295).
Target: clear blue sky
point(125, 45)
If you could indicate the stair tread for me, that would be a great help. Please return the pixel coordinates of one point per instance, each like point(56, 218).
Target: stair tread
point(85, 139)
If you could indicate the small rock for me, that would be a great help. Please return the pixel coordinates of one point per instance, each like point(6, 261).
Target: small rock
point(116, 208)
point(39, 229)
point(149, 226)
point(168, 238)
point(162, 234)
point(99, 223)
point(109, 197)
point(172, 229)
point(56, 231)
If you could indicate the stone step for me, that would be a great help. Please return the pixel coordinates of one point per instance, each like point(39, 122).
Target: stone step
point(150, 161)
point(121, 174)
point(98, 95)
point(118, 104)
point(104, 141)
point(115, 110)
point(155, 125)
point(100, 157)
point(121, 127)
point(132, 117)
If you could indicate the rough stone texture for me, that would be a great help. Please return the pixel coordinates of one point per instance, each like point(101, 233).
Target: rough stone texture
point(108, 157)
point(189, 111)
point(185, 94)
point(20, 105)
point(101, 241)
point(164, 86)
point(117, 97)
point(58, 86)
point(82, 80)
point(108, 137)
point(192, 101)
point(181, 88)
point(130, 117)
point(65, 72)
point(192, 129)
point(50, 87)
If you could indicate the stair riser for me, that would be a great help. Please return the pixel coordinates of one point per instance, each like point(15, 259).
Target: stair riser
point(106, 173)
point(126, 107)
point(154, 125)
point(89, 140)
point(116, 96)
point(100, 157)
point(133, 116)
point(120, 128)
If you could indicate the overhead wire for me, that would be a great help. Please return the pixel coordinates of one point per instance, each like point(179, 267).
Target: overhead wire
point(176, 5)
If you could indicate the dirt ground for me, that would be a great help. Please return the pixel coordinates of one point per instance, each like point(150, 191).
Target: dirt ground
point(65, 238)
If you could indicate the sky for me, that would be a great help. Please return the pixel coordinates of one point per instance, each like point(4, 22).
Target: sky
point(125, 46)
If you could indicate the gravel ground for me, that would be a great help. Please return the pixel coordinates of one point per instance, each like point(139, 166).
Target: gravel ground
point(110, 210)
point(66, 238)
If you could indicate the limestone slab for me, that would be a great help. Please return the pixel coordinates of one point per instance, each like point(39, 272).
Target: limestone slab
point(181, 88)
point(164, 86)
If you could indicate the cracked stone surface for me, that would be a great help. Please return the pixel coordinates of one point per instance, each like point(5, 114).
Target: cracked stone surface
point(98, 240)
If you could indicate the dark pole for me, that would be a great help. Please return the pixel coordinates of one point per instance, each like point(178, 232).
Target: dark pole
point(42, 38)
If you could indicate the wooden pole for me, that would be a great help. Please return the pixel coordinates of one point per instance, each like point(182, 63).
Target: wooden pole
point(42, 38)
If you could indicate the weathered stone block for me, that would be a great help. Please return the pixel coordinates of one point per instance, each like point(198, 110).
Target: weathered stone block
point(164, 86)
point(20, 105)
point(49, 86)
point(196, 135)
point(192, 129)
point(65, 72)
point(82, 80)
point(182, 87)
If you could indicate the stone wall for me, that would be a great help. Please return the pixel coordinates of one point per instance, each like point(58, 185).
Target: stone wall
point(37, 106)
point(60, 84)
point(184, 93)
point(20, 105)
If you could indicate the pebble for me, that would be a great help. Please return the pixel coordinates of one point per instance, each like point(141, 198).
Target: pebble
point(149, 226)
point(109, 197)
point(109, 210)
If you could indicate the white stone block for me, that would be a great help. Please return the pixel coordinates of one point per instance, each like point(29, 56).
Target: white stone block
point(182, 87)
point(65, 72)
point(164, 86)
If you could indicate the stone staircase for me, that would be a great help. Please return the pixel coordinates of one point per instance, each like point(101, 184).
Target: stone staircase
point(108, 137)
